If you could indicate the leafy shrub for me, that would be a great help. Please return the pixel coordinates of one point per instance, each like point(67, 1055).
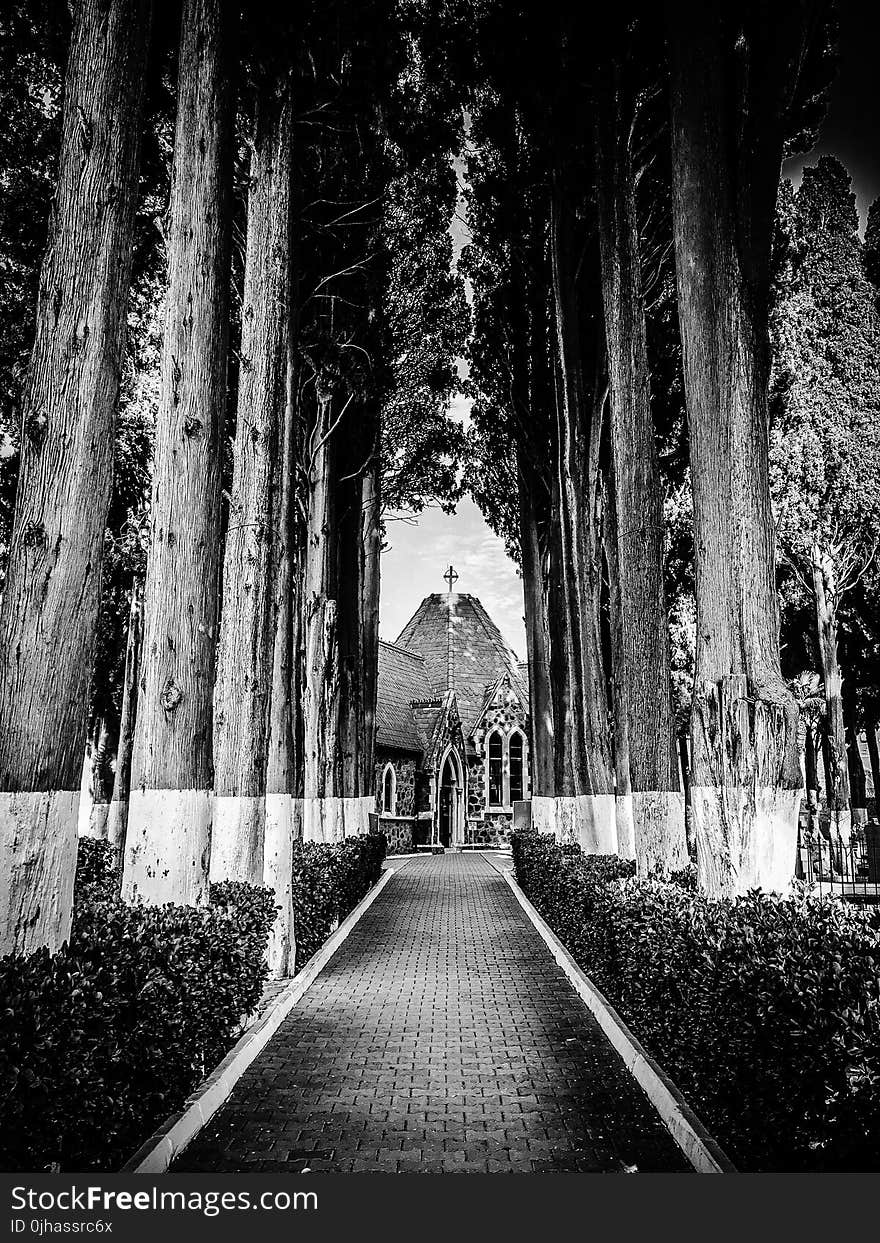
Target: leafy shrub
point(766, 1011)
point(99, 1042)
point(97, 872)
point(328, 882)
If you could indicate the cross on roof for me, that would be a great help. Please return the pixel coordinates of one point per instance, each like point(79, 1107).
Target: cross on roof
point(450, 577)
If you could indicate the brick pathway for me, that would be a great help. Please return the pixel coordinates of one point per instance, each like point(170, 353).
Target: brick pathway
point(441, 1037)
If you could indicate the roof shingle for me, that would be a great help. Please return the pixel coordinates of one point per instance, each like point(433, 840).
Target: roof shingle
point(402, 679)
point(480, 654)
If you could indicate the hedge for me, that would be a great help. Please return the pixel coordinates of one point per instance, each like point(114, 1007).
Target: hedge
point(101, 1041)
point(764, 1010)
point(328, 883)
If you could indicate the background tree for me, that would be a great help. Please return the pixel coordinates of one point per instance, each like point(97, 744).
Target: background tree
point(825, 439)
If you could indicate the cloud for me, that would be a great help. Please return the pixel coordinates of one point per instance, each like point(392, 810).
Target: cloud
point(417, 558)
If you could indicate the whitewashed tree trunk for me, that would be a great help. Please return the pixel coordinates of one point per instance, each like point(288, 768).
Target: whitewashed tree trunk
point(50, 602)
point(542, 741)
point(623, 801)
point(641, 670)
point(370, 579)
point(244, 662)
point(170, 804)
point(117, 816)
point(283, 818)
point(579, 417)
point(323, 813)
point(104, 750)
point(746, 775)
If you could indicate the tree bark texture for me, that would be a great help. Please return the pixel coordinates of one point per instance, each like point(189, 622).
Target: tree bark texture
point(855, 766)
point(811, 771)
point(244, 661)
point(746, 775)
point(50, 603)
point(825, 598)
point(283, 824)
point(579, 416)
point(370, 584)
point(117, 817)
point(537, 639)
point(874, 759)
point(104, 746)
point(642, 671)
point(169, 830)
point(322, 809)
point(557, 630)
point(626, 829)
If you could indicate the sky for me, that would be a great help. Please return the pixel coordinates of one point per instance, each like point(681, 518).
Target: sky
point(851, 130)
point(417, 555)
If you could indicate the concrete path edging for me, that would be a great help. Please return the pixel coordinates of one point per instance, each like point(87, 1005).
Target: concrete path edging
point(170, 1139)
point(693, 1138)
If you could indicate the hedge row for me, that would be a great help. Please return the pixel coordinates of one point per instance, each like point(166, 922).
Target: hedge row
point(765, 1011)
point(328, 883)
point(101, 1041)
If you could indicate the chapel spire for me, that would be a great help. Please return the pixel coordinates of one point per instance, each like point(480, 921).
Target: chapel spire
point(450, 577)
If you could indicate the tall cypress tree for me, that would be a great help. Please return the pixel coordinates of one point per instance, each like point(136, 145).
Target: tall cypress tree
point(170, 806)
point(51, 595)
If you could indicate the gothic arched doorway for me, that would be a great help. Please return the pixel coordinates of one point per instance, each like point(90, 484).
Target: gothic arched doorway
point(450, 802)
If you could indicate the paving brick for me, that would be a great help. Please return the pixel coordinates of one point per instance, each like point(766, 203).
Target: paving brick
point(441, 1037)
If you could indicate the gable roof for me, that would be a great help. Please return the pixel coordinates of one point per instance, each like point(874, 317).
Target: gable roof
point(480, 654)
point(495, 695)
point(403, 679)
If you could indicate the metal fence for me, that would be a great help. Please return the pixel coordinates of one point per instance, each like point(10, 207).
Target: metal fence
point(838, 862)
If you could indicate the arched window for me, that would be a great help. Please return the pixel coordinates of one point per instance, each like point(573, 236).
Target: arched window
point(389, 791)
point(516, 766)
point(496, 770)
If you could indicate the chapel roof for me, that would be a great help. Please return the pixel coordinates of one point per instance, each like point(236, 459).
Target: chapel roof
point(403, 680)
point(480, 654)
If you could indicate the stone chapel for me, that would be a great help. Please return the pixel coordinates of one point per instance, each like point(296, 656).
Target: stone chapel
point(452, 729)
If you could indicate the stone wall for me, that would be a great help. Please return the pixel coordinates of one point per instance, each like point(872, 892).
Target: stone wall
point(476, 787)
point(491, 830)
point(405, 772)
point(399, 832)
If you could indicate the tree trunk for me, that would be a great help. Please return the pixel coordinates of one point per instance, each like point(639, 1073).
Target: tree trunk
point(52, 591)
point(244, 661)
point(825, 596)
point(811, 772)
point(322, 809)
point(591, 815)
point(746, 775)
point(358, 536)
point(169, 830)
point(855, 766)
point(874, 757)
point(544, 808)
point(537, 640)
point(642, 672)
point(684, 765)
point(370, 577)
point(283, 822)
point(106, 741)
point(117, 816)
point(623, 797)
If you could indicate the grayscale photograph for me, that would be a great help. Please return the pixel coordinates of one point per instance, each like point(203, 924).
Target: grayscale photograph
point(439, 601)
